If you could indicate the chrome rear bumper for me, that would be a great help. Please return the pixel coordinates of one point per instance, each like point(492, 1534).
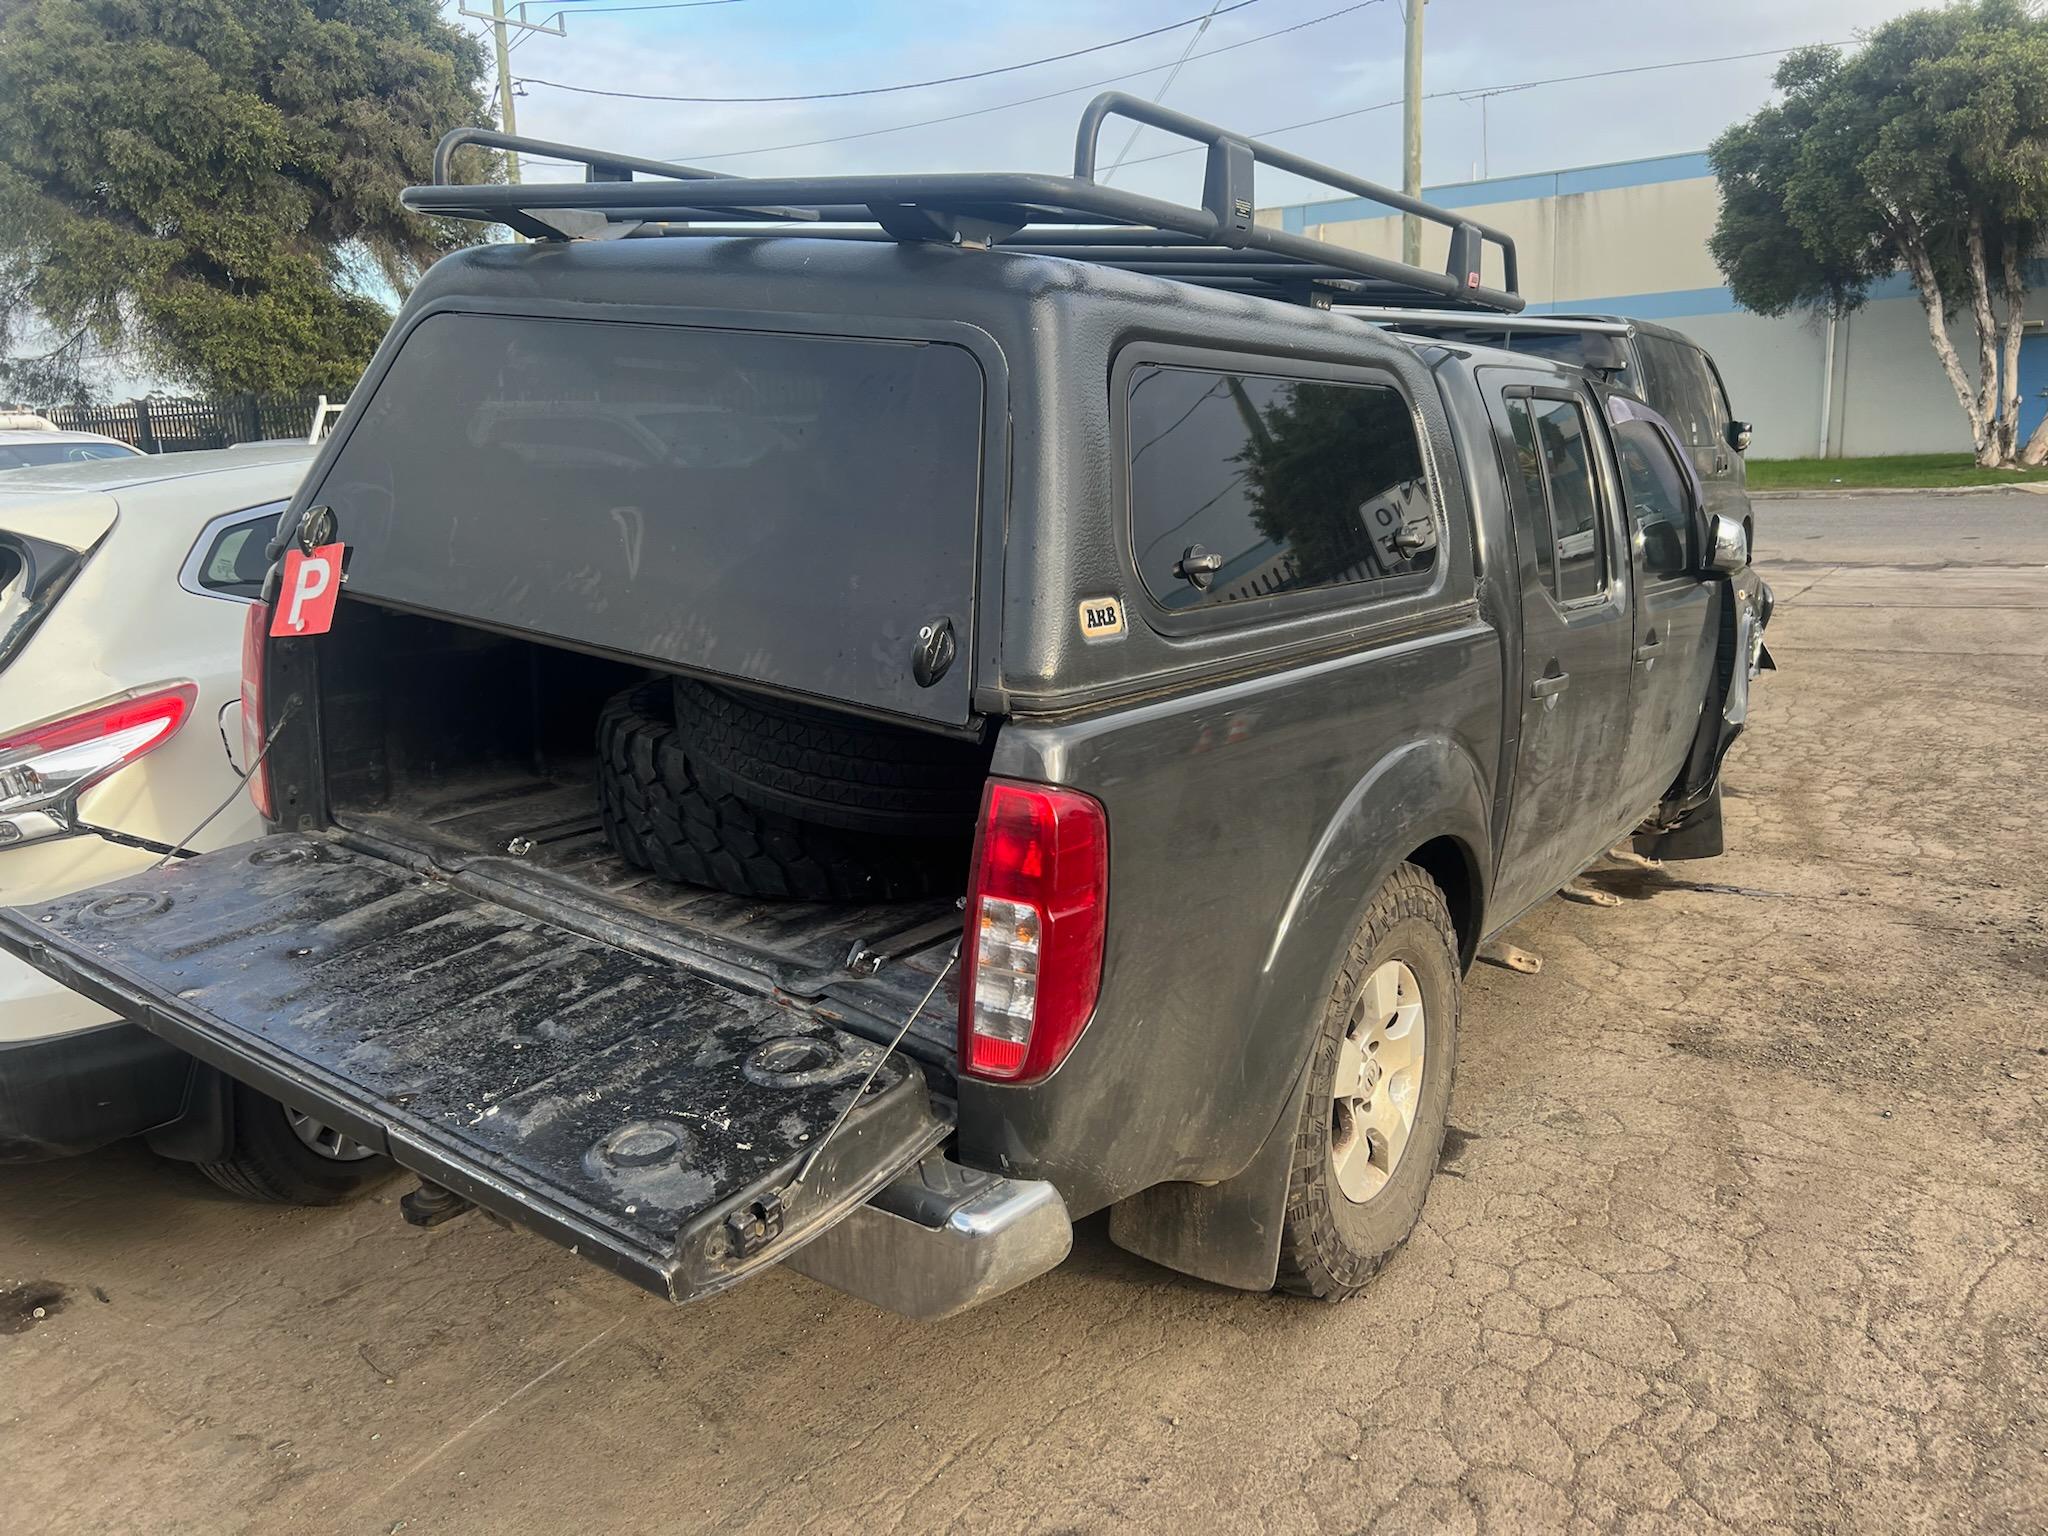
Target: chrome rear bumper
point(941, 1238)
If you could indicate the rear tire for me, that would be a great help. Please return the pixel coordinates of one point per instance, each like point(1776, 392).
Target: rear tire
point(663, 815)
point(270, 1162)
point(1351, 1200)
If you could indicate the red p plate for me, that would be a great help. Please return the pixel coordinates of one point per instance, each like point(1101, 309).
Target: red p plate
point(305, 600)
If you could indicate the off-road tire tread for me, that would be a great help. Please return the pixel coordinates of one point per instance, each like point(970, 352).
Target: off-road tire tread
point(834, 769)
point(1314, 1259)
point(661, 815)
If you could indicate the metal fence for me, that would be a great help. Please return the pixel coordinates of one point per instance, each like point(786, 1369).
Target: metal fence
point(178, 426)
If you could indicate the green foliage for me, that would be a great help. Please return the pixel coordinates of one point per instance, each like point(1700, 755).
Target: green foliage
point(1872, 160)
point(210, 187)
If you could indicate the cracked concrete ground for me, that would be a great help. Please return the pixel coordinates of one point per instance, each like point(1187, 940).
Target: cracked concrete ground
point(1744, 1231)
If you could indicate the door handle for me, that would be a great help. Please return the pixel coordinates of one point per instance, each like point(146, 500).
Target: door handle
point(1197, 567)
point(1553, 683)
point(1648, 649)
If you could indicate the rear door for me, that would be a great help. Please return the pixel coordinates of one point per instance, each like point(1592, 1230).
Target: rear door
point(1575, 636)
point(791, 511)
point(1677, 610)
point(646, 1115)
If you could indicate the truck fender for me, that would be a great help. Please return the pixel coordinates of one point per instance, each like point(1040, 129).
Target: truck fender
point(1228, 1232)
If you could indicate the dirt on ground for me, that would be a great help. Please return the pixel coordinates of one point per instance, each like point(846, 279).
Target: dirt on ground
point(1741, 1228)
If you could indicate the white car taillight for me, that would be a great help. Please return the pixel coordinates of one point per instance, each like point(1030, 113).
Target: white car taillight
point(1035, 907)
point(44, 769)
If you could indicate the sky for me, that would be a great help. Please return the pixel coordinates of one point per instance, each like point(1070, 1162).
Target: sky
point(1330, 57)
point(1258, 66)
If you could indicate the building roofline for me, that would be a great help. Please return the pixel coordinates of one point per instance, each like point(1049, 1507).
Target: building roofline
point(1651, 170)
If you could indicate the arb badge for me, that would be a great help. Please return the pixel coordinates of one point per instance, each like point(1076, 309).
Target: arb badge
point(1101, 618)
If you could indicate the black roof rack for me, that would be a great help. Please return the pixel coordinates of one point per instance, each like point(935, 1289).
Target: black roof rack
point(1215, 245)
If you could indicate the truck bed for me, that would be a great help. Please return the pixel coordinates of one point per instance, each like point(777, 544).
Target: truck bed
point(473, 756)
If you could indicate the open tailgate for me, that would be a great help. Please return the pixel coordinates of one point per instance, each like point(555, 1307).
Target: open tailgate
point(649, 1117)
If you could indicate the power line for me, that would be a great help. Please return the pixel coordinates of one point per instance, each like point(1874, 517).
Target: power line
point(666, 5)
point(1160, 94)
point(912, 85)
point(615, 10)
point(1520, 85)
point(1025, 101)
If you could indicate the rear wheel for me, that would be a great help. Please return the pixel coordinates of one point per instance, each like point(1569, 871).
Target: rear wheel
point(286, 1157)
point(1379, 1092)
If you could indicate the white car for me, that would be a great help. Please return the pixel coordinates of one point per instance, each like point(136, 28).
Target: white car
point(39, 447)
point(123, 589)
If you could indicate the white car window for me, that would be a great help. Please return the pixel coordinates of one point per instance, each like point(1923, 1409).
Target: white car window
point(233, 555)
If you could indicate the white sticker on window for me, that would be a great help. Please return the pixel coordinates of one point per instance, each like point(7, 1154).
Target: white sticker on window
point(1102, 618)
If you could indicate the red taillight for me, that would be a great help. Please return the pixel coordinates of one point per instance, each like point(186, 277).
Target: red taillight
point(53, 763)
point(255, 630)
point(1035, 904)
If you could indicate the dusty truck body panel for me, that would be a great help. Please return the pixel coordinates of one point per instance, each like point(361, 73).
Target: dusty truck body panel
point(1253, 822)
point(1272, 600)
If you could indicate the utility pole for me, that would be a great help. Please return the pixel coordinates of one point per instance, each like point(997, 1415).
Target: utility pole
point(508, 114)
point(510, 118)
point(1411, 132)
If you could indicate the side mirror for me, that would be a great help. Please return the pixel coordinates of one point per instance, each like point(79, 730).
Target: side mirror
point(1727, 546)
point(1738, 436)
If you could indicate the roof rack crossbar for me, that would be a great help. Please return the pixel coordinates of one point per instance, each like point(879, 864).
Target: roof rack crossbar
point(1216, 243)
point(598, 165)
point(1227, 188)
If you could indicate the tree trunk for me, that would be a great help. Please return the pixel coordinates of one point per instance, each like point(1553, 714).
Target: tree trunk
point(1995, 446)
point(2036, 451)
point(1922, 270)
point(2013, 272)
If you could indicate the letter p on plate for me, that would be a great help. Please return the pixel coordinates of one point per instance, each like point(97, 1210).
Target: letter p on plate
point(305, 600)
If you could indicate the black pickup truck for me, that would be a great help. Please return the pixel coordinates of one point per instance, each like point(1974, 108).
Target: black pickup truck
point(869, 718)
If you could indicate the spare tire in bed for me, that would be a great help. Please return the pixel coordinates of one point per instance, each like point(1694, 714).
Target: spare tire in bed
point(662, 815)
point(827, 768)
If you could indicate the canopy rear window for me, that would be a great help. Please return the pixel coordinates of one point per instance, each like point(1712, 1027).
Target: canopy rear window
point(776, 508)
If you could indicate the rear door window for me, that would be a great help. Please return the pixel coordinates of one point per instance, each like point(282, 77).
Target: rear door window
point(1528, 472)
point(1579, 542)
point(1245, 486)
point(778, 508)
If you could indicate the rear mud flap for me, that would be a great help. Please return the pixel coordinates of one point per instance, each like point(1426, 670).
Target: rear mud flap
point(643, 1115)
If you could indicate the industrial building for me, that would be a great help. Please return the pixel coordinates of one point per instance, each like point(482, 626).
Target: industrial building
point(1630, 239)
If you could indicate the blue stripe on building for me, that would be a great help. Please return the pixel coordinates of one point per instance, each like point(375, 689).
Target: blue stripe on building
point(1510, 189)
